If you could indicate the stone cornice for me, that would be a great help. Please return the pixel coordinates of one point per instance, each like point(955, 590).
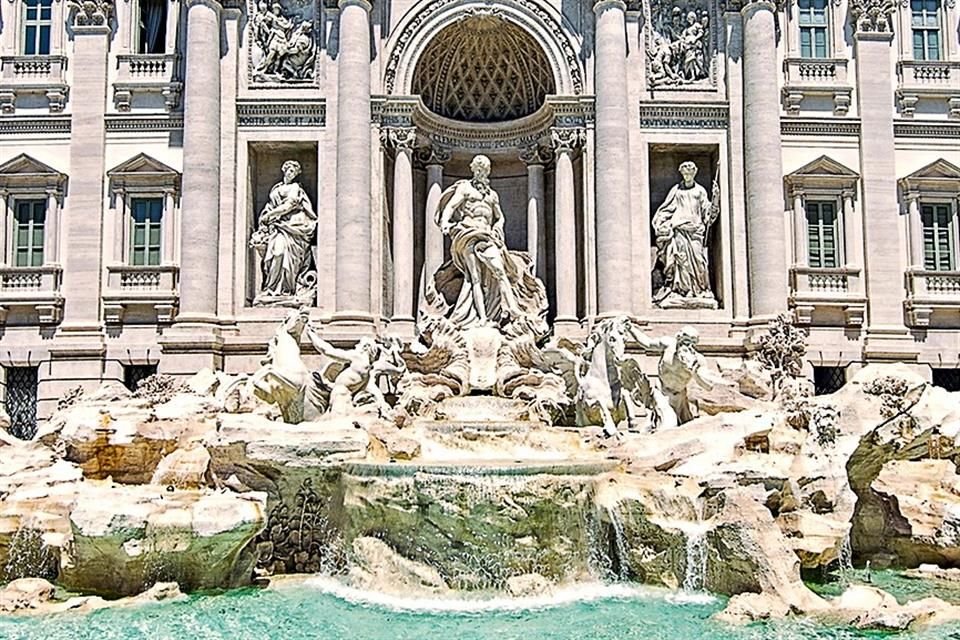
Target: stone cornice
point(873, 16)
point(683, 116)
point(282, 113)
point(820, 127)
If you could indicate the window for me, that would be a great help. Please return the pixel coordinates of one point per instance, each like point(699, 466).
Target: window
point(21, 401)
point(949, 379)
point(937, 221)
point(147, 214)
point(822, 249)
point(813, 28)
point(37, 20)
point(828, 379)
point(925, 21)
point(28, 222)
point(152, 26)
point(134, 374)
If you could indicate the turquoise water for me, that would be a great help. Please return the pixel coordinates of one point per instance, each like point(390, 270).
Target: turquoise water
point(322, 612)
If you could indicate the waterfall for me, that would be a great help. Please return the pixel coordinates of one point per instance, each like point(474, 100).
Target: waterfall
point(846, 560)
point(29, 557)
point(620, 548)
point(695, 570)
point(608, 548)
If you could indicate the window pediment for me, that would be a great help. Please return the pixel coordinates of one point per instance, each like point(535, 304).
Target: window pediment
point(25, 173)
point(143, 173)
point(822, 173)
point(939, 176)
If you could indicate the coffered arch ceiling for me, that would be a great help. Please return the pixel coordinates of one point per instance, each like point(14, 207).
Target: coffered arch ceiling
point(483, 68)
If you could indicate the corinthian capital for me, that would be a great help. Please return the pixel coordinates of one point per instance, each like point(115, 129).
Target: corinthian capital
point(90, 13)
point(873, 16)
point(566, 139)
point(399, 138)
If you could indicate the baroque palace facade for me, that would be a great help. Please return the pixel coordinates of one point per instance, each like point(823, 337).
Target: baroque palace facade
point(153, 219)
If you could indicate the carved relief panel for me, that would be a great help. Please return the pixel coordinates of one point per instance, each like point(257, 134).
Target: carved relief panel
point(681, 41)
point(283, 41)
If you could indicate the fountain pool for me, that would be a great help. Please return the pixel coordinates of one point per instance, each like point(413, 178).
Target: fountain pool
point(320, 608)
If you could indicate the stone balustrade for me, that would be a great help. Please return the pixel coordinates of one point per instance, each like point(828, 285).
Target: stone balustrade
point(821, 77)
point(928, 79)
point(827, 295)
point(147, 73)
point(930, 291)
point(144, 287)
point(23, 75)
point(31, 289)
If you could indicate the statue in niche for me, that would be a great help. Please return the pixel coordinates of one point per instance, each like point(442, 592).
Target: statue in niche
point(681, 225)
point(285, 43)
point(284, 240)
point(678, 43)
point(484, 283)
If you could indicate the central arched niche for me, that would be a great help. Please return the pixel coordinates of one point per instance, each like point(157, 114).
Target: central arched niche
point(483, 68)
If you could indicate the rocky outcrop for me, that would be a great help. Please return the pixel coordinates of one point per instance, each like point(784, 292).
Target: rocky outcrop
point(377, 567)
point(128, 538)
point(35, 596)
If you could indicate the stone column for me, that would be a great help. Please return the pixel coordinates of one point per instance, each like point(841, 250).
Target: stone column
point(169, 228)
point(565, 142)
point(433, 158)
point(914, 231)
point(354, 224)
point(402, 140)
point(873, 36)
point(763, 167)
point(852, 233)
point(5, 224)
point(200, 233)
point(83, 219)
point(536, 224)
point(51, 240)
point(799, 226)
point(612, 174)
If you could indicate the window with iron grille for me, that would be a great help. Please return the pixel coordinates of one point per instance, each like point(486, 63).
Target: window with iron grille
point(29, 219)
point(21, 400)
point(949, 379)
point(937, 221)
point(822, 232)
point(925, 22)
point(145, 236)
point(37, 21)
point(813, 28)
point(134, 374)
point(828, 379)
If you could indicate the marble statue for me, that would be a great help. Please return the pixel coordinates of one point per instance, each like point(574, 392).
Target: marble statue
point(679, 43)
point(682, 225)
point(283, 377)
point(679, 365)
point(484, 284)
point(285, 43)
point(348, 379)
point(284, 240)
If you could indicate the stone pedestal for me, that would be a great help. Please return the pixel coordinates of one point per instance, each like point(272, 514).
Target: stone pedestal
point(354, 224)
point(612, 171)
point(200, 203)
point(763, 167)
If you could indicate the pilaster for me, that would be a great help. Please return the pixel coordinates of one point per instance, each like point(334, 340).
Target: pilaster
point(402, 141)
point(565, 143)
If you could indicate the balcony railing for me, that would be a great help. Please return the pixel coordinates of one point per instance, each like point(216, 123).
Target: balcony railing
point(29, 289)
point(933, 79)
point(822, 292)
point(816, 77)
point(147, 73)
point(142, 287)
point(928, 291)
point(21, 75)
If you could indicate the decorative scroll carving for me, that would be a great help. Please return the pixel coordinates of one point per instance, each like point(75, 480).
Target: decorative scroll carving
point(535, 154)
point(401, 139)
point(434, 154)
point(283, 43)
point(90, 13)
point(681, 44)
point(873, 16)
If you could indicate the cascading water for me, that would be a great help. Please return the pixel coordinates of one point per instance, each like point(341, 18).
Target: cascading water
point(846, 560)
point(695, 571)
point(29, 556)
